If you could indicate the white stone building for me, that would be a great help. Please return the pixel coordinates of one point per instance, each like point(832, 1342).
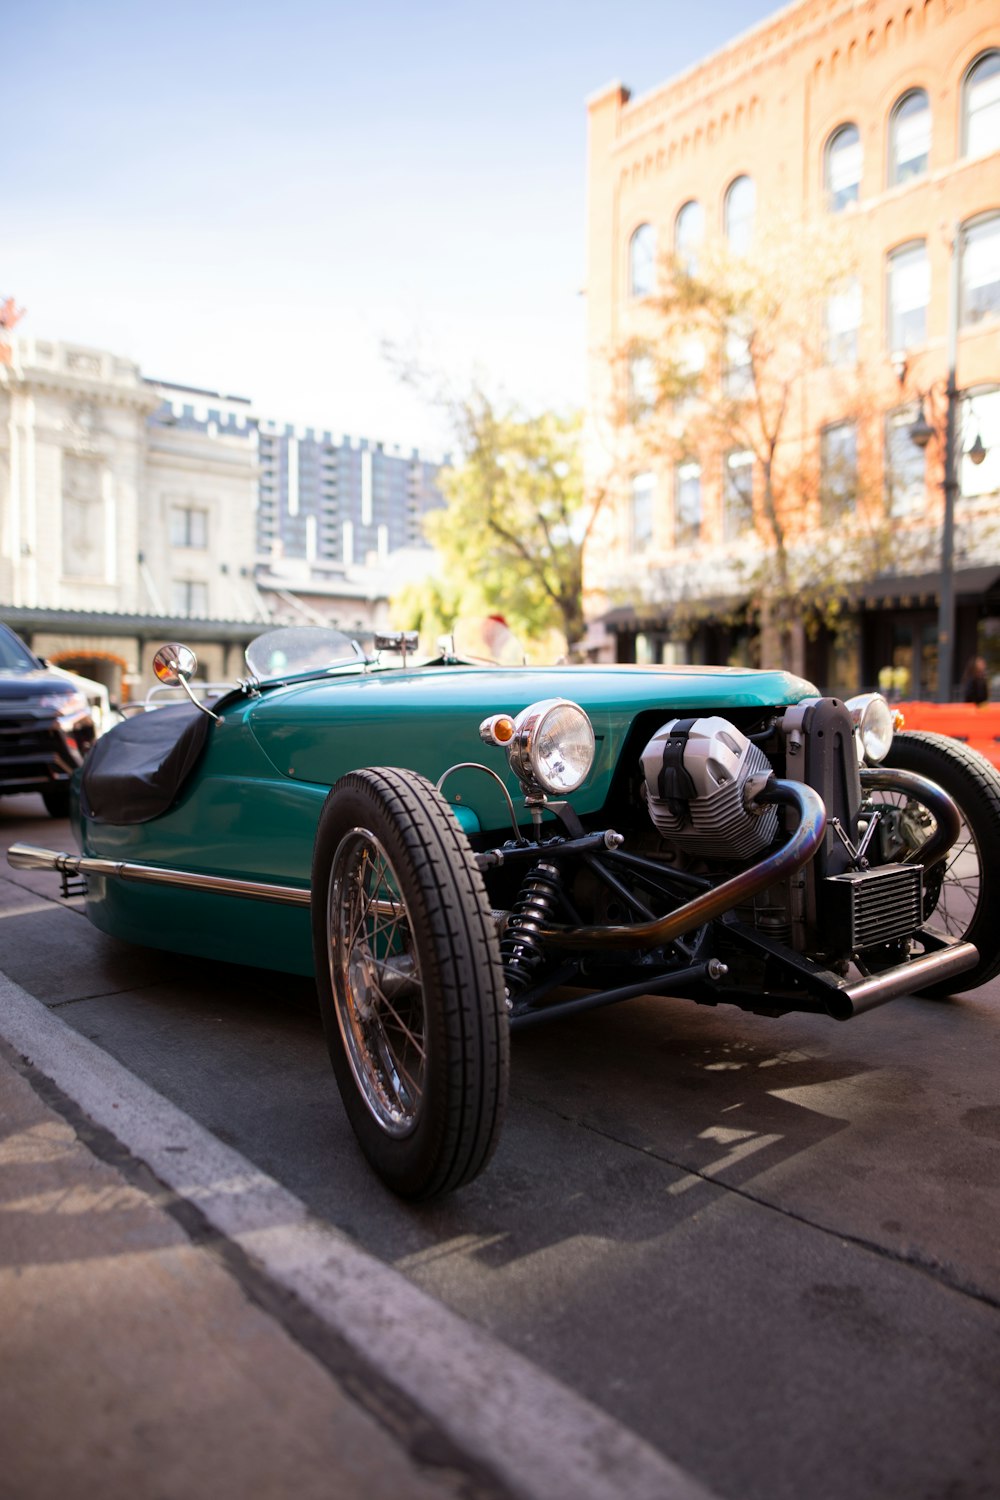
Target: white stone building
point(118, 528)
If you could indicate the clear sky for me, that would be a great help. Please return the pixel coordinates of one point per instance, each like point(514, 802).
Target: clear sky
point(253, 198)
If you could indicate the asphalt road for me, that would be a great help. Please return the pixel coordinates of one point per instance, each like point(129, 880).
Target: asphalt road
point(771, 1248)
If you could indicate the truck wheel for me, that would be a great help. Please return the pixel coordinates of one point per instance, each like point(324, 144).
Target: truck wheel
point(410, 981)
point(963, 893)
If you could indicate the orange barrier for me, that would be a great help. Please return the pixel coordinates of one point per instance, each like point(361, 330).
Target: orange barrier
point(978, 727)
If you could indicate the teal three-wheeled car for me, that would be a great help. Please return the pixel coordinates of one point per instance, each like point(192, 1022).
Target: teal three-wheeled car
point(456, 847)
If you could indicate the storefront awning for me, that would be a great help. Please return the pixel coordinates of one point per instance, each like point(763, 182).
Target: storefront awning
point(970, 583)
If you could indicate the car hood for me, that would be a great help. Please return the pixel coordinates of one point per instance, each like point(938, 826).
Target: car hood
point(429, 719)
point(17, 686)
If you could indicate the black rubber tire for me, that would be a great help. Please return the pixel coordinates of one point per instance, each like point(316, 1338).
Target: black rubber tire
point(974, 784)
point(449, 938)
point(56, 799)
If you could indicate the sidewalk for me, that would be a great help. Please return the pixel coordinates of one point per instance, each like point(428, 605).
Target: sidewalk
point(175, 1324)
point(134, 1363)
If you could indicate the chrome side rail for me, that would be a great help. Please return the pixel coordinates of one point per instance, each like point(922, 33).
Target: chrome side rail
point(29, 857)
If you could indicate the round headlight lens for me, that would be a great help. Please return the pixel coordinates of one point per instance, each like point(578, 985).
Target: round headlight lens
point(875, 722)
point(553, 746)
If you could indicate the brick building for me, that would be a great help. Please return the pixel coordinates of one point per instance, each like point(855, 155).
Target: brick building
point(884, 116)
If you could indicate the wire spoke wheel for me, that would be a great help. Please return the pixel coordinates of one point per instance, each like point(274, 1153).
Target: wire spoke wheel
point(962, 892)
point(409, 980)
point(954, 887)
point(375, 977)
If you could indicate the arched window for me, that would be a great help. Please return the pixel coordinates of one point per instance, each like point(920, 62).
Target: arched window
point(981, 106)
point(689, 231)
point(909, 137)
point(642, 261)
point(738, 214)
point(980, 251)
point(842, 168)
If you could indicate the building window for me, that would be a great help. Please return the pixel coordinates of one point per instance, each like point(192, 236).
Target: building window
point(687, 504)
point(188, 597)
point(909, 284)
point(641, 384)
point(905, 486)
point(981, 106)
point(842, 168)
point(689, 231)
point(188, 528)
point(841, 322)
point(641, 526)
point(642, 261)
point(909, 137)
point(838, 471)
point(980, 251)
point(980, 417)
point(689, 370)
point(737, 494)
point(737, 366)
point(738, 214)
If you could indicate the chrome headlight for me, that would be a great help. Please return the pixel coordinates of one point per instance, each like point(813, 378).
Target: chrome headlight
point(874, 723)
point(552, 746)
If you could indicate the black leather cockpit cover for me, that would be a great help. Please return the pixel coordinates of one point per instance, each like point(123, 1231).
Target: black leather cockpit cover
point(136, 770)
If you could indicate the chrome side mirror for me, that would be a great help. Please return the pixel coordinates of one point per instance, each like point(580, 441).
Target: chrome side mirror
point(174, 665)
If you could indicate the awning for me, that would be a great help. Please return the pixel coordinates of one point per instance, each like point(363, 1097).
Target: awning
point(27, 619)
point(686, 612)
point(970, 583)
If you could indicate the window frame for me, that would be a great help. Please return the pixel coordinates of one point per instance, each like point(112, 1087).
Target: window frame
point(633, 243)
point(963, 94)
point(834, 507)
point(735, 528)
point(182, 534)
point(837, 207)
point(642, 490)
point(750, 219)
point(978, 221)
point(689, 262)
point(899, 420)
point(892, 258)
point(892, 177)
point(689, 536)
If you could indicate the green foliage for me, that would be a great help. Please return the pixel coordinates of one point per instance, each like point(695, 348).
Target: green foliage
point(511, 534)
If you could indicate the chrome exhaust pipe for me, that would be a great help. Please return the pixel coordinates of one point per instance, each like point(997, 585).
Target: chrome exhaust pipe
point(798, 851)
point(905, 979)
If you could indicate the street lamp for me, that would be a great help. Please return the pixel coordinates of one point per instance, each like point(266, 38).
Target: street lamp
point(921, 433)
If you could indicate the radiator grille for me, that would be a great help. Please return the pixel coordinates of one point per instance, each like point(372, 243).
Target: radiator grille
point(867, 907)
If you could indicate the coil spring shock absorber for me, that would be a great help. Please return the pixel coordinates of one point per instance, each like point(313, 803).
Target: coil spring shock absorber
point(520, 948)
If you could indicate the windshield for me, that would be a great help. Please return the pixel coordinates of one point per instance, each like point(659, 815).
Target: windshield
point(296, 649)
point(488, 639)
point(15, 657)
point(305, 650)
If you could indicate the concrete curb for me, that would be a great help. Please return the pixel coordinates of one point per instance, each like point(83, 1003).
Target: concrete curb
point(537, 1436)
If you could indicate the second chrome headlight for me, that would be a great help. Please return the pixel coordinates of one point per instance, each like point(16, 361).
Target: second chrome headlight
point(874, 722)
point(553, 746)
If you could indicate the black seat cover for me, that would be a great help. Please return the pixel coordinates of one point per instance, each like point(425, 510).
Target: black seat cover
point(136, 770)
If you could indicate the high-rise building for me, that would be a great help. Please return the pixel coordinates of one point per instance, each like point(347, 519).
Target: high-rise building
point(339, 501)
point(883, 117)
